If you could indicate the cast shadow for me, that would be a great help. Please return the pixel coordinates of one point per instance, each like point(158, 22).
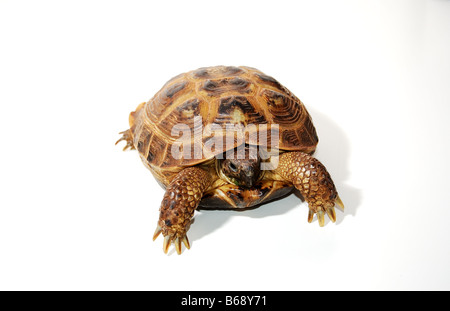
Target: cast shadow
point(208, 221)
point(333, 150)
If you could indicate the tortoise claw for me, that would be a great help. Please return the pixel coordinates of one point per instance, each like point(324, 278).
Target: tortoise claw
point(166, 243)
point(186, 242)
point(320, 218)
point(339, 202)
point(310, 215)
point(169, 238)
point(331, 212)
point(177, 243)
point(157, 232)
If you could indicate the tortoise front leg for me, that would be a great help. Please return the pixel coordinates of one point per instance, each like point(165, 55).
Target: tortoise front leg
point(314, 182)
point(178, 205)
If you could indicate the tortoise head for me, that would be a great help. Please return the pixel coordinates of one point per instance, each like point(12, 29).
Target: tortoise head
point(242, 172)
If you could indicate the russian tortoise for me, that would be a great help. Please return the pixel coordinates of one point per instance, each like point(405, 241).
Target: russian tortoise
point(218, 178)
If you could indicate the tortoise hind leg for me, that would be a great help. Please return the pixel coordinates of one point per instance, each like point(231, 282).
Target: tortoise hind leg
point(314, 182)
point(128, 137)
point(182, 197)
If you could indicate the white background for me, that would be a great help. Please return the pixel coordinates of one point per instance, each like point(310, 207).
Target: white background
point(77, 213)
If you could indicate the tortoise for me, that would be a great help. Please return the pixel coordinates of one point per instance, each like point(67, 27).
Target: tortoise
point(230, 176)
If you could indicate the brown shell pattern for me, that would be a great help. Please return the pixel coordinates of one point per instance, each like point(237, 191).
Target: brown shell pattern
point(217, 94)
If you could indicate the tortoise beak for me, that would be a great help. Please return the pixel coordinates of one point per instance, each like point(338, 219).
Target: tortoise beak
point(248, 180)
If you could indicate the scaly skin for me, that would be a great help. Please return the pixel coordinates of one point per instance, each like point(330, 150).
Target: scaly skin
point(182, 197)
point(313, 181)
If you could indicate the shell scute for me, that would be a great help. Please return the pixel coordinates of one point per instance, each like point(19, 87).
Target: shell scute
point(284, 110)
point(144, 141)
point(238, 110)
point(217, 71)
point(183, 114)
point(175, 88)
point(215, 87)
point(156, 151)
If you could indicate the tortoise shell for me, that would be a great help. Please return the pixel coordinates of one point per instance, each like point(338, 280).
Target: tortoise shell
point(219, 95)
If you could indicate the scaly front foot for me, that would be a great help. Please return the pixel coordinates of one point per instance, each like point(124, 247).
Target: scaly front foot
point(314, 182)
point(182, 197)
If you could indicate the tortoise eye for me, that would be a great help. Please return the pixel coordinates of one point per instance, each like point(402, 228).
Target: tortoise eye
point(232, 167)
